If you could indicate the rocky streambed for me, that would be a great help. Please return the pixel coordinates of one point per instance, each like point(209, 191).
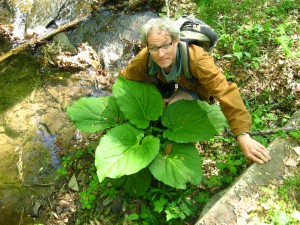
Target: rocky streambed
point(36, 87)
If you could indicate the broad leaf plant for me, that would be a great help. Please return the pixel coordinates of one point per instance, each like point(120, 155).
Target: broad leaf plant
point(144, 138)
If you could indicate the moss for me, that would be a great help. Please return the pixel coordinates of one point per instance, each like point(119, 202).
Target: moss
point(18, 77)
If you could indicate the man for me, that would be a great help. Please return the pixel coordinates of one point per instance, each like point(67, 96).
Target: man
point(161, 36)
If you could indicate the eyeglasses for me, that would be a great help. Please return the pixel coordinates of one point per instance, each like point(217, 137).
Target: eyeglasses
point(154, 50)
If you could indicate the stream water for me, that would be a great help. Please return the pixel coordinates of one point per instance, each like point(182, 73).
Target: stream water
point(34, 128)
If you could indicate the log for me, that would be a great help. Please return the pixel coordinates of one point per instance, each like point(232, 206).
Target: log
point(48, 36)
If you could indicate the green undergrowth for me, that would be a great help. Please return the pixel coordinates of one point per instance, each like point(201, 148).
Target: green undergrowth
point(255, 37)
point(249, 32)
point(161, 204)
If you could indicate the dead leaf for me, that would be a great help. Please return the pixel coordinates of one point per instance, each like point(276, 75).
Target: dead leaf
point(168, 149)
point(73, 185)
point(297, 150)
point(291, 161)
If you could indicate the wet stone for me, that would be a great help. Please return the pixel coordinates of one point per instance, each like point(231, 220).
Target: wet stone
point(116, 205)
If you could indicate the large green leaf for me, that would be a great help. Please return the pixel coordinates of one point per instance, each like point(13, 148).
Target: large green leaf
point(178, 166)
point(191, 121)
point(140, 102)
point(135, 184)
point(95, 114)
point(123, 151)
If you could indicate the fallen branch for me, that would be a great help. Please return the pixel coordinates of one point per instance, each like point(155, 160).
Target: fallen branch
point(268, 132)
point(21, 220)
point(33, 42)
point(39, 185)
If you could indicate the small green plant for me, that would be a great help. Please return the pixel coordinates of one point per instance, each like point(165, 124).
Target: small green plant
point(144, 138)
point(174, 207)
point(145, 217)
point(262, 116)
point(244, 43)
point(174, 211)
point(280, 205)
point(295, 134)
point(66, 162)
point(88, 196)
point(230, 166)
point(282, 8)
point(283, 36)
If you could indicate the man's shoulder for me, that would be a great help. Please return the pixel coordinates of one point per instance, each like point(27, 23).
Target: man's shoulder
point(193, 48)
point(143, 53)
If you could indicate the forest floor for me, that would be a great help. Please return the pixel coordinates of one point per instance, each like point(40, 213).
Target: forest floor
point(277, 76)
point(281, 76)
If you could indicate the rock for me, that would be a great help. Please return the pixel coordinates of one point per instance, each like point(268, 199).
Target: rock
point(116, 205)
point(58, 210)
point(73, 185)
point(63, 55)
point(37, 203)
point(64, 43)
point(107, 201)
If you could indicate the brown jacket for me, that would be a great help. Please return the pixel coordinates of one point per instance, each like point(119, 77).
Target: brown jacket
point(211, 83)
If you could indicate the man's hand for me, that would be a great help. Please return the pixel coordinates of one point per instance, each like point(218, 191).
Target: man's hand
point(252, 149)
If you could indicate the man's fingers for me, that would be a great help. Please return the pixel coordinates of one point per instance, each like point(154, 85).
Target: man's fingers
point(264, 152)
point(253, 150)
point(256, 159)
point(260, 156)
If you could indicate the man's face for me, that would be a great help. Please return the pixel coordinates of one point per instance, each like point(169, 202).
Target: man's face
point(162, 49)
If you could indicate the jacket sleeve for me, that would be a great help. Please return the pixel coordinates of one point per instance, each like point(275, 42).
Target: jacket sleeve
point(215, 83)
point(137, 68)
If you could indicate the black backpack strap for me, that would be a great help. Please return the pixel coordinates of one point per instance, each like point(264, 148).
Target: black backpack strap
point(185, 57)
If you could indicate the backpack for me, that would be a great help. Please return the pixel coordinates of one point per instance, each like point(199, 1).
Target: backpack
point(192, 31)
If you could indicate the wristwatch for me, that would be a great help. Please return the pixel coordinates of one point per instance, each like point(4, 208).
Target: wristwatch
point(244, 133)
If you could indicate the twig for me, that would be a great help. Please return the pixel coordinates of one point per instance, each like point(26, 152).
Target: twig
point(39, 185)
point(21, 216)
point(26, 45)
point(267, 132)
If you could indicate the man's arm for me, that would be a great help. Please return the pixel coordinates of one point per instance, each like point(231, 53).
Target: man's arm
point(232, 106)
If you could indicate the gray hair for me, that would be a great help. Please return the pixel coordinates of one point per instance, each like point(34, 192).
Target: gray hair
point(163, 24)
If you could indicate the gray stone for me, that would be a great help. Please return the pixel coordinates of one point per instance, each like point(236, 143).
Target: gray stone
point(73, 185)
